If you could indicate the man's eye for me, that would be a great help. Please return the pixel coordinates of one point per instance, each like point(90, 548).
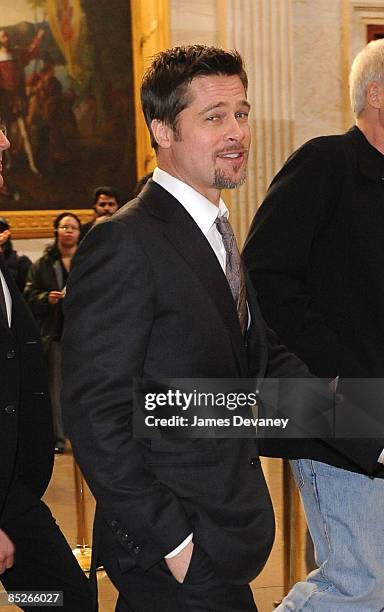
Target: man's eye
point(213, 117)
point(242, 115)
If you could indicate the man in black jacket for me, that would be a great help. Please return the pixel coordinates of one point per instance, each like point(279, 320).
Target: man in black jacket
point(315, 253)
point(181, 525)
point(34, 555)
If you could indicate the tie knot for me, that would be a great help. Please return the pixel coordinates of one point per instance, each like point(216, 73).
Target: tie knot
point(224, 227)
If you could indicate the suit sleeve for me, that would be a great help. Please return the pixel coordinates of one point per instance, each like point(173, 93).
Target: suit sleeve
point(109, 311)
point(278, 255)
point(298, 205)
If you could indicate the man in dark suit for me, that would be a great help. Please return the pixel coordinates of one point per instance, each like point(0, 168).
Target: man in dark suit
point(181, 525)
point(315, 253)
point(34, 555)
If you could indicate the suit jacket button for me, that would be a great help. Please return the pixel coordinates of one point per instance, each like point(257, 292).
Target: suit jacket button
point(254, 461)
point(130, 545)
point(114, 524)
point(137, 549)
point(9, 409)
point(11, 354)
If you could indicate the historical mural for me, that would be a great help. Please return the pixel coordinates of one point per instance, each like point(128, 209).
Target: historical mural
point(66, 100)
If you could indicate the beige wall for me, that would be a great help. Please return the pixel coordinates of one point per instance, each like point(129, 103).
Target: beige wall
point(194, 21)
point(33, 247)
point(298, 54)
point(317, 68)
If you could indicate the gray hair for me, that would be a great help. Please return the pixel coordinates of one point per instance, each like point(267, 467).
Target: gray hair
point(367, 67)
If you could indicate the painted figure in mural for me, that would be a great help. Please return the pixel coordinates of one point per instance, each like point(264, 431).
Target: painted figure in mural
point(65, 97)
point(65, 16)
point(12, 85)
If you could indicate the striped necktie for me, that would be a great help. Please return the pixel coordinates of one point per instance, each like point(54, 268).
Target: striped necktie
point(234, 270)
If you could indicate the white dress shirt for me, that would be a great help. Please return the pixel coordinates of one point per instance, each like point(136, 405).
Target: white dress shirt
point(202, 211)
point(8, 299)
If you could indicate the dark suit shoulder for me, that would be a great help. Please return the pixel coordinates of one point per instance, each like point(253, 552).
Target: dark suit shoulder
point(332, 141)
point(130, 209)
point(153, 203)
point(326, 142)
point(326, 152)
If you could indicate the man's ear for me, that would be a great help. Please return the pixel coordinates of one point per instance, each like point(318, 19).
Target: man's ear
point(375, 95)
point(161, 133)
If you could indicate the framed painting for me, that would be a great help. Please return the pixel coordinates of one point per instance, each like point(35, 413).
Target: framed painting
point(375, 31)
point(66, 98)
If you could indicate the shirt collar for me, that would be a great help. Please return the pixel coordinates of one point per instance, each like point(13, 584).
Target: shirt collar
point(202, 211)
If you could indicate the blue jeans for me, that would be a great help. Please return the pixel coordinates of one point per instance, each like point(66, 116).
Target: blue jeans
point(345, 516)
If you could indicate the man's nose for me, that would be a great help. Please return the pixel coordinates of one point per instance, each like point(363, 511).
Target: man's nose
point(235, 131)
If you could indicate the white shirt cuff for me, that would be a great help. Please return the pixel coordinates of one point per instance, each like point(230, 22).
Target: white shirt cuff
point(180, 547)
point(381, 457)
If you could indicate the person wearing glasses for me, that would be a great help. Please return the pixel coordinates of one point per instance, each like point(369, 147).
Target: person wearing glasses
point(44, 292)
point(34, 555)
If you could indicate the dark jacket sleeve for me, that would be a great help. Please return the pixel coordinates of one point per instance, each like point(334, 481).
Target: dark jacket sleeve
point(37, 289)
point(109, 311)
point(277, 254)
point(23, 265)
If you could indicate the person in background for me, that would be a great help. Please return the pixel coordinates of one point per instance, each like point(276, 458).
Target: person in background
point(18, 265)
point(34, 555)
point(105, 204)
point(44, 292)
point(315, 254)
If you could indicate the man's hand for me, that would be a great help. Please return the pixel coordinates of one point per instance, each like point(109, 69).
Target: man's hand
point(7, 552)
point(178, 565)
point(55, 296)
point(4, 237)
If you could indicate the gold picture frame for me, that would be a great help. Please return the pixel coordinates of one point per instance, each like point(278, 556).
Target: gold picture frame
point(68, 112)
point(38, 223)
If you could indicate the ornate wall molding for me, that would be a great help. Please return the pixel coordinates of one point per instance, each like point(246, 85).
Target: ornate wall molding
point(38, 223)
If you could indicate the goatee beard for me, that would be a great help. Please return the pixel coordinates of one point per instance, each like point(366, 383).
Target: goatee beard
point(221, 181)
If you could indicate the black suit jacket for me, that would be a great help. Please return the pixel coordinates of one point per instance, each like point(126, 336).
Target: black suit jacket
point(315, 253)
point(26, 438)
point(147, 298)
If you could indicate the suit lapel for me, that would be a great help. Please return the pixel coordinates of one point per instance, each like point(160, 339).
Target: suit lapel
point(186, 237)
